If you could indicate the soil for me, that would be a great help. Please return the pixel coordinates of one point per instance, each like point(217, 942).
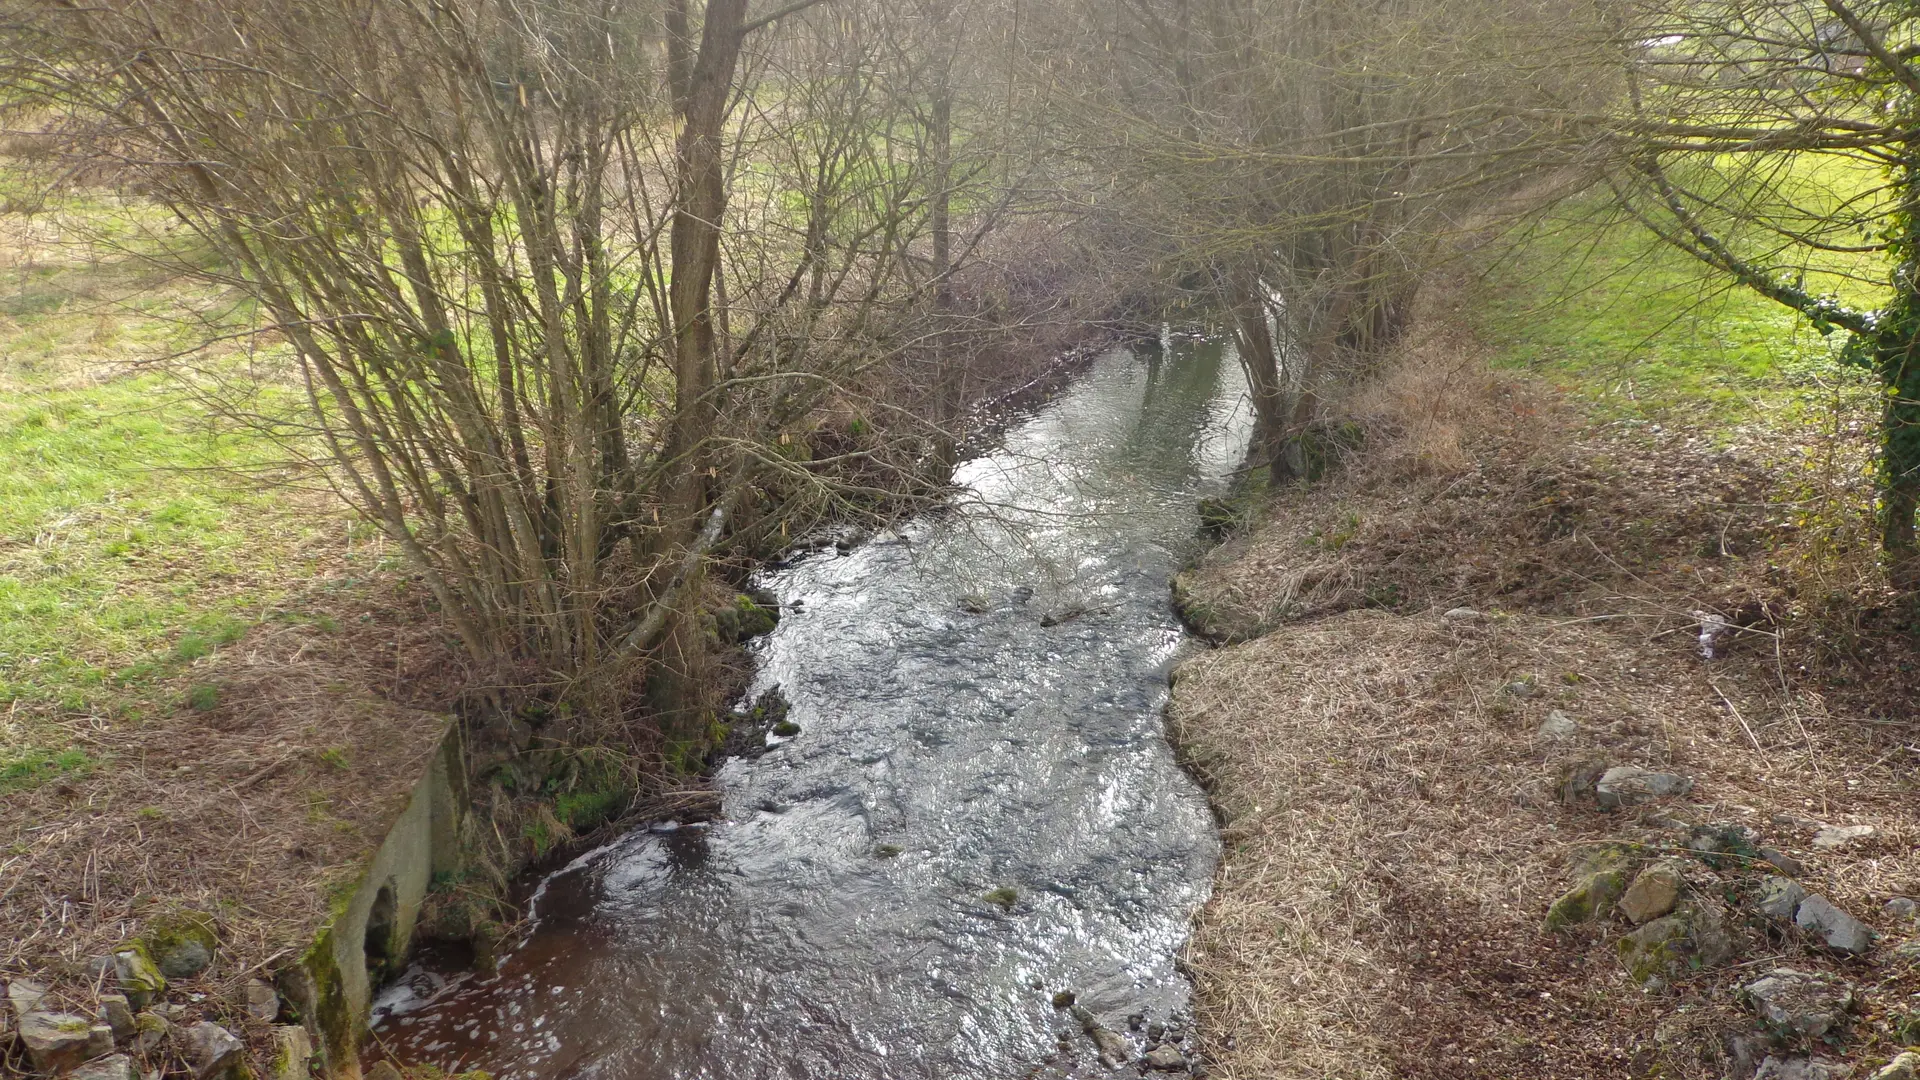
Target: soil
point(256, 809)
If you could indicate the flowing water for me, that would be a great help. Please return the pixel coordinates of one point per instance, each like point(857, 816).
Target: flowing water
point(981, 808)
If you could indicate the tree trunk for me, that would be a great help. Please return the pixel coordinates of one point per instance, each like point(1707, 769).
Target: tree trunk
point(1260, 356)
point(702, 98)
point(1900, 450)
point(947, 370)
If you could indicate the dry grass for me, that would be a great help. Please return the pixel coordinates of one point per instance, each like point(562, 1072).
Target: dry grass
point(1394, 838)
point(257, 808)
point(1393, 843)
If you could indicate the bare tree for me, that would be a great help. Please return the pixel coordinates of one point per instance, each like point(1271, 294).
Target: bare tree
point(563, 280)
point(1296, 163)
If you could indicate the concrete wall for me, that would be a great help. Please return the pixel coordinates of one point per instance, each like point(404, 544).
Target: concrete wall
point(369, 937)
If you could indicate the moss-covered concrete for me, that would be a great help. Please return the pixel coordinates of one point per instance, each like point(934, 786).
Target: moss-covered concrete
point(373, 924)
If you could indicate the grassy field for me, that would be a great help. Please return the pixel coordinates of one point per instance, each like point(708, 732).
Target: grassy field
point(1642, 330)
point(138, 535)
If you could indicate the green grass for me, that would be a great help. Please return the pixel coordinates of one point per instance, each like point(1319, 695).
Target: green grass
point(1644, 331)
point(136, 538)
point(36, 767)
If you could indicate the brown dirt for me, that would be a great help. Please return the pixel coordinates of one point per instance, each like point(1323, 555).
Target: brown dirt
point(1395, 834)
point(257, 810)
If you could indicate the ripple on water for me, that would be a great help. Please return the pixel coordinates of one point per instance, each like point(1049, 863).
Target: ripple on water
point(993, 751)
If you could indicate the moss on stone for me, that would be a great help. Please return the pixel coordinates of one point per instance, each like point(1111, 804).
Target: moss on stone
point(332, 1020)
point(168, 936)
point(1674, 946)
point(1612, 855)
point(1592, 897)
point(1656, 950)
point(745, 618)
point(140, 978)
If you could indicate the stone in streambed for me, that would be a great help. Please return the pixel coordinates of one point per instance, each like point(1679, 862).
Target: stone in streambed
point(1113, 1046)
point(1165, 1058)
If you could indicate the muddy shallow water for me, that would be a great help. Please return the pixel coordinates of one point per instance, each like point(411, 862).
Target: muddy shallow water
point(979, 697)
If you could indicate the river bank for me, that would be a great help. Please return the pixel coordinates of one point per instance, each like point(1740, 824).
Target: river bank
point(219, 690)
point(1537, 747)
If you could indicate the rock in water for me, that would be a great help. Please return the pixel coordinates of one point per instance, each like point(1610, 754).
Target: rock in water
point(57, 1042)
point(1840, 931)
point(111, 1067)
point(1653, 894)
point(1166, 1059)
point(212, 1050)
point(1797, 1003)
point(1112, 1045)
point(1625, 786)
point(1779, 898)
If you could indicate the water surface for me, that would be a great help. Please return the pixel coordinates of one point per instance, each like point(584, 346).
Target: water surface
point(980, 698)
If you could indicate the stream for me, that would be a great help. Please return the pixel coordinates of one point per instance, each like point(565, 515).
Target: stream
point(980, 810)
